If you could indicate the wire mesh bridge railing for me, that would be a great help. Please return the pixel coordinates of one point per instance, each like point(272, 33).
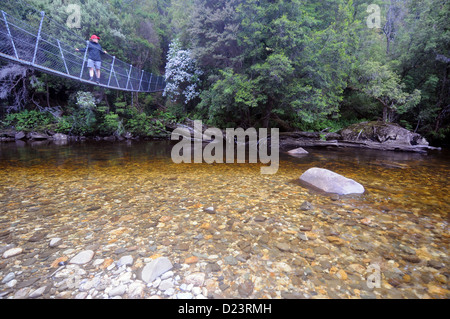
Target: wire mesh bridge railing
point(44, 45)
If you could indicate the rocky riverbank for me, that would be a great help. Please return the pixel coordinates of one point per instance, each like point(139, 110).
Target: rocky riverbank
point(59, 138)
point(369, 135)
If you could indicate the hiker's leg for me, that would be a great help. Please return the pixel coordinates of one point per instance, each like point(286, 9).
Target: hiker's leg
point(98, 65)
point(90, 65)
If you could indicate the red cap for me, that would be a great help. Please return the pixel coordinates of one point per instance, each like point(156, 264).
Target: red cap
point(94, 37)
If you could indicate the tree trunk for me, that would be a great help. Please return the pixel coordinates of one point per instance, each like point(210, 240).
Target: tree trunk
point(48, 94)
point(268, 114)
point(387, 29)
point(385, 114)
point(135, 99)
point(442, 95)
point(388, 46)
point(284, 125)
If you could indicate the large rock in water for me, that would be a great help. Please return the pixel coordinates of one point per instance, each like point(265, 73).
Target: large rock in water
point(384, 133)
point(298, 151)
point(331, 182)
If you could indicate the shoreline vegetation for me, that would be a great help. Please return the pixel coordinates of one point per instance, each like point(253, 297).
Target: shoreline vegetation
point(297, 66)
point(293, 65)
point(368, 135)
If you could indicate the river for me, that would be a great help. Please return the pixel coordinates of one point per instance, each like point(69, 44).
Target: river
point(130, 198)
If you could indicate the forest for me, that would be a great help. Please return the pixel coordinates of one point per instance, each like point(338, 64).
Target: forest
point(293, 64)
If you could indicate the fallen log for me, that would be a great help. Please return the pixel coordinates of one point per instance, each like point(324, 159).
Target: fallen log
point(364, 144)
point(316, 135)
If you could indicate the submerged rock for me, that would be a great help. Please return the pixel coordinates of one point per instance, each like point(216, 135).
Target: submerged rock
point(298, 151)
point(331, 182)
point(12, 252)
point(246, 288)
point(54, 242)
point(306, 206)
point(82, 258)
point(156, 268)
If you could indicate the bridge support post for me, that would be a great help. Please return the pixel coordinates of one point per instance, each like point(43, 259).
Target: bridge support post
point(9, 34)
point(129, 74)
point(62, 56)
point(84, 59)
point(140, 81)
point(156, 86)
point(112, 68)
point(150, 82)
point(38, 37)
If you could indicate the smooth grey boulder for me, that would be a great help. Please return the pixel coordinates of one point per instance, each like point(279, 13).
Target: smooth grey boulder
point(60, 137)
point(298, 151)
point(331, 182)
point(19, 135)
point(38, 136)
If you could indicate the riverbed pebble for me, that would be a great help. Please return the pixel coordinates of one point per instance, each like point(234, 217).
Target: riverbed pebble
point(54, 242)
point(82, 258)
point(12, 252)
point(156, 268)
point(10, 276)
point(125, 261)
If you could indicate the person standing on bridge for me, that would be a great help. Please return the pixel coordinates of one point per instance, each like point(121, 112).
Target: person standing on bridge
point(95, 53)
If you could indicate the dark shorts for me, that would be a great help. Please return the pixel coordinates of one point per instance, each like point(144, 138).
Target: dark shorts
point(94, 64)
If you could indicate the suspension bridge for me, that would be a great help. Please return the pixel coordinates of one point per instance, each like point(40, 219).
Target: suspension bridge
point(42, 43)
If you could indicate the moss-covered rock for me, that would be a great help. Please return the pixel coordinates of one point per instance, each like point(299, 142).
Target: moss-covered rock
point(388, 133)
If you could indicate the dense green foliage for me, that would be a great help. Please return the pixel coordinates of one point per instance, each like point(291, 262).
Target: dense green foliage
point(294, 64)
point(84, 117)
point(28, 120)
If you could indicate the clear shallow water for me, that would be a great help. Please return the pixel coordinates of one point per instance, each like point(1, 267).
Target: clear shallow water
point(126, 189)
point(397, 180)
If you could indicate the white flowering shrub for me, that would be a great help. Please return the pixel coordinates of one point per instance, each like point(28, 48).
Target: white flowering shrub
point(182, 75)
point(85, 100)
